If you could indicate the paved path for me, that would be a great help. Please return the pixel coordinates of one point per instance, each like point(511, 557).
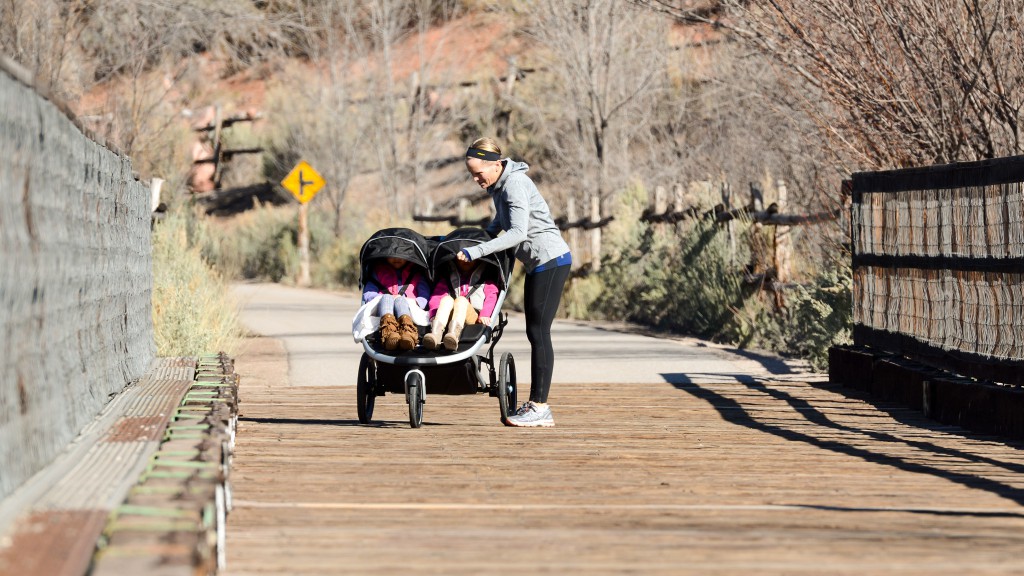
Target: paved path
point(316, 329)
point(693, 467)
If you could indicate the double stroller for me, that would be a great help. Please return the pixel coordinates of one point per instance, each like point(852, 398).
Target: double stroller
point(417, 371)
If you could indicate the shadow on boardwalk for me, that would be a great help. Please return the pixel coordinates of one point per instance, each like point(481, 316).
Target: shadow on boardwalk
point(929, 448)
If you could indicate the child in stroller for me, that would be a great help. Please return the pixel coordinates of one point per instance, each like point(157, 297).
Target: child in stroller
point(399, 285)
point(395, 282)
point(466, 295)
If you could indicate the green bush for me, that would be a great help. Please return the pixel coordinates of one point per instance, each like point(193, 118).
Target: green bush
point(261, 244)
point(682, 283)
point(683, 278)
point(821, 316)
point(192, 309)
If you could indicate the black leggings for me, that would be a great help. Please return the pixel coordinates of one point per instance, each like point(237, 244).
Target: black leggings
point(541, 294)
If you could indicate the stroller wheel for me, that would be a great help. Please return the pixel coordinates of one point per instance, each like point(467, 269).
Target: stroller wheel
point(365, 394)
point(506, 385)
point(417, 393)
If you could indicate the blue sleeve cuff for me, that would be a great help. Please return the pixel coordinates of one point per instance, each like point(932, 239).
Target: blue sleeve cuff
point(466, 252)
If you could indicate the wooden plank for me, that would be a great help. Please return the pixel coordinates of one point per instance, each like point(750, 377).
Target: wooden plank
point(638, 478)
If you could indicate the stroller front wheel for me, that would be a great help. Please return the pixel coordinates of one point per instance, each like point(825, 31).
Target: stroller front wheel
point(365, 389)
point(416, 395)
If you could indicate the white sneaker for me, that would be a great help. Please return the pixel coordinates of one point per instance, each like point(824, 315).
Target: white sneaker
point(531, 415)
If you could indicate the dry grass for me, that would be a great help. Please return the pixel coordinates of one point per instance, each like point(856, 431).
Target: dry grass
point(193, 312)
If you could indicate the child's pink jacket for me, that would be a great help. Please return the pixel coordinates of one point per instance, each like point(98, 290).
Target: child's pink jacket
point(387, 280)
point(484, 298)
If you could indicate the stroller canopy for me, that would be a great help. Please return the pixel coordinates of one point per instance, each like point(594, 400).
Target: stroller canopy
point(450, 245)
point(395, 243)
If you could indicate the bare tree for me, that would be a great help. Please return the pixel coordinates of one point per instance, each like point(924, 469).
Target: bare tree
point(326, 126)
point(428, 123)
point(41, 35)
point(140, 49)
point(909, 81)
point(374, 29)
point(605, 61)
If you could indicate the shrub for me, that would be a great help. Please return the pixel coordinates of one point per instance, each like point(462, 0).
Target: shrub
point(259, 244)
point(688, 280)
point(681, 282)
point(192, 310)
point(262, 244)
point(821, 316)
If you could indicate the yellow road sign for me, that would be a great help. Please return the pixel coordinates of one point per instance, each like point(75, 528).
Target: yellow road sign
point(303, 182)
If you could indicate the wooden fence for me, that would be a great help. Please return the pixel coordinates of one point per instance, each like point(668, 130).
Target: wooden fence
point(663, 210)
point(586, 255)
point(938, 264)
point(771, 256)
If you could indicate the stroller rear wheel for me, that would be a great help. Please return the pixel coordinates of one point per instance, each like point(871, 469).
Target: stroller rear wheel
point(365, 389)
point(506, 385)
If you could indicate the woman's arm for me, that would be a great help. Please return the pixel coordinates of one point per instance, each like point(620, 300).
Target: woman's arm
point(493, 227)
point(518, 202)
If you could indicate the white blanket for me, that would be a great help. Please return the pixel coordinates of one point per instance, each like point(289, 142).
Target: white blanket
point(366, 321)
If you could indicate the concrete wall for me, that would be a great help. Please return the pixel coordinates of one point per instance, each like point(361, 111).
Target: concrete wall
point(75, 279)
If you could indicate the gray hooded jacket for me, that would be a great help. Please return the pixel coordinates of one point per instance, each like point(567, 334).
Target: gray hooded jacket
point(523, 215)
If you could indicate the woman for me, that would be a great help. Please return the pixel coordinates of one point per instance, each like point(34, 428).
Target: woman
point(524, 217)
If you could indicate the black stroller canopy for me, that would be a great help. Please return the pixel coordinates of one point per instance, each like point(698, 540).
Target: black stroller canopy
point(401, 243)
point(450, 245)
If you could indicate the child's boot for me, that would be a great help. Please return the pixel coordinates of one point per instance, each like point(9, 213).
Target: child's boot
point(408, 334)
point(432, 339)
point(451, 339)
point(389, 331)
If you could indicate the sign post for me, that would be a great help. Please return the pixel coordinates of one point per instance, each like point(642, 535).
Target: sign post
point(303, 182)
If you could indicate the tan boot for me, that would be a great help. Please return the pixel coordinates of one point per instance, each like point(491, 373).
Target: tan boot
point(389, 331)
point(408, 334)
point(432, 339)
point(451, 339)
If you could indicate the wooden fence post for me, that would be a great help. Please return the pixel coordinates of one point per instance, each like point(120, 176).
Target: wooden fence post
point(660, 206)
point(217, 127)
point(758, 244)
point(783, 240)
point(678, 198)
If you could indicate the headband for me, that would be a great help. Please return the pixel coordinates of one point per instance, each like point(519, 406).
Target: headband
point(482, 154)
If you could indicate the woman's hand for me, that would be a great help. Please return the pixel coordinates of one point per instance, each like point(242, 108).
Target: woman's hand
point(462, 256)
point(484, 320)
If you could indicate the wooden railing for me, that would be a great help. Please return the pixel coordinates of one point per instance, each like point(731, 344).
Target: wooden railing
point(938, 293)
point(938, 265)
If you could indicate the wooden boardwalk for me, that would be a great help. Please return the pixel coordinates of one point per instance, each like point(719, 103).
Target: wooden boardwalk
point(636, 478)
